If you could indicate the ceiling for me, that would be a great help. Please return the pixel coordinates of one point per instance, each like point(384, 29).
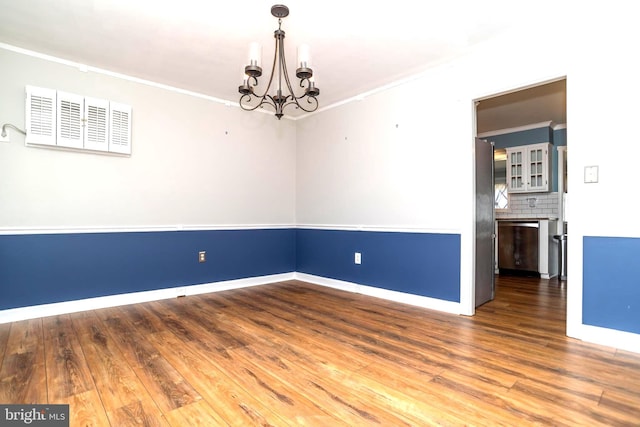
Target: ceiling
point(543, 103)
point(201, 45)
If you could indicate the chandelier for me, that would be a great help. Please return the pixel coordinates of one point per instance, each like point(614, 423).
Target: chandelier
point(282, 94)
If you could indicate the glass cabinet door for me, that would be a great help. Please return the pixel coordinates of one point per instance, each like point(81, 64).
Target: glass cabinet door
point(516, 177)
point(537, 174)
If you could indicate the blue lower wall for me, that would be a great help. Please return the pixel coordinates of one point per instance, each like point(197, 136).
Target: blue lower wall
point(48, 268)
point(416, 263)
point(611, 283)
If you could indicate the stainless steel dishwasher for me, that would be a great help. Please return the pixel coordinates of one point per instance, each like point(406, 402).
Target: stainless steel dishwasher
point(518, 245)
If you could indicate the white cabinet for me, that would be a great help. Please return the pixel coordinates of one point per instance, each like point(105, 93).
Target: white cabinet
point(528, 168)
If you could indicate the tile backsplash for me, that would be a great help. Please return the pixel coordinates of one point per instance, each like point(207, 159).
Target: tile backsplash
point(530, 205)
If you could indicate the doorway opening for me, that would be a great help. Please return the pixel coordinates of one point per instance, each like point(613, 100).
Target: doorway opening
point(528, 130)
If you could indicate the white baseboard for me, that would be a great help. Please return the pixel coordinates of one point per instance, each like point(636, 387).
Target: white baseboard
point(593, 334)
point(66, 307)
point(411, 299)
point(55, 309)
point(610, 337)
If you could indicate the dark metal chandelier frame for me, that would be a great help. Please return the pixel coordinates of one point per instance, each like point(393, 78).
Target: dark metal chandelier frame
point(279, 99)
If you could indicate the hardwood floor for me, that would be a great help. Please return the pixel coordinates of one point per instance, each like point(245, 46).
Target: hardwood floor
point(299, 354)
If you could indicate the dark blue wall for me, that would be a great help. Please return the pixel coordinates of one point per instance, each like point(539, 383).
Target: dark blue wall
point(416, 263)
point(524, 137)
point(611, 283)
point(47, 268)
point(560, 137)
point(531, 136)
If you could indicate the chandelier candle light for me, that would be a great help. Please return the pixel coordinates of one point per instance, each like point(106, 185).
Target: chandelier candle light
point(282, 95)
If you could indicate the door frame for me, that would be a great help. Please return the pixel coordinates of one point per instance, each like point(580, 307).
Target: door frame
point(471, 301)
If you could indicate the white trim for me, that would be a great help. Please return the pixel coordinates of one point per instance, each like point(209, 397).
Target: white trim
point(134, 228)
point(327, 282)
point(87, 68)
point(378, 228)
point(401, 297)
point(207, 227)
point(44, 310)
point(539, 125)
point(610, 337)
point(67, 307)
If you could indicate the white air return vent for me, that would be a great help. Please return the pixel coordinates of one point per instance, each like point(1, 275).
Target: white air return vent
point(70, 109)
point(120, 128)
point(96, 134)
point(40, 116)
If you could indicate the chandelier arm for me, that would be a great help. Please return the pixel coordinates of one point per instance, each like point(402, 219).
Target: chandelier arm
point(309, 97)
point(309, 101)
point(264, 98)
point(247, 98)
point(268, 99)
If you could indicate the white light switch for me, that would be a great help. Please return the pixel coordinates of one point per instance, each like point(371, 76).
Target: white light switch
point(357, 258)
point(590, 174)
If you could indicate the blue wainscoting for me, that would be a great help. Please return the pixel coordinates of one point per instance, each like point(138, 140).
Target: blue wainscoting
point(46, 268)
point(611, 283)
point(423, 264)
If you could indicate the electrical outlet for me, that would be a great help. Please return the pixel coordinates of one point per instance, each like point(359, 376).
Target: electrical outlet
point(202, 256)
point(357, 258)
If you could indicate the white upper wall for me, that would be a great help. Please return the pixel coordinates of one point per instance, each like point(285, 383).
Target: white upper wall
point(403, 157)
point(194, 162)
point(392, 159)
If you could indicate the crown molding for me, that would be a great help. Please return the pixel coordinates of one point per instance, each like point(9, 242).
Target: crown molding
point(139, 228)
point(87, 68)
point(549, 124)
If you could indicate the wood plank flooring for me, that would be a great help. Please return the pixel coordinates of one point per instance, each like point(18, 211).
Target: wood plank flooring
point(293, 353)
